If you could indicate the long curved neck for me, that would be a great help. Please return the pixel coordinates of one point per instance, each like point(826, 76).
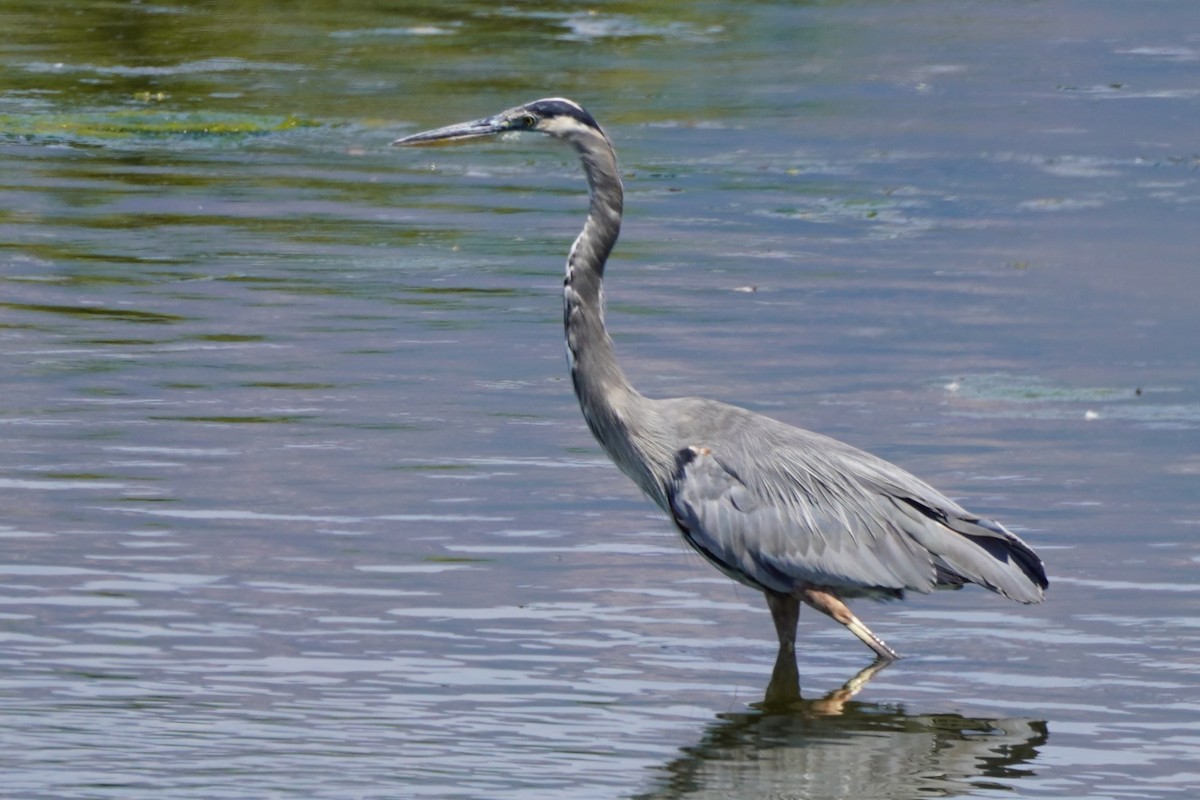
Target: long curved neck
point(620, 418)
point(593, 363)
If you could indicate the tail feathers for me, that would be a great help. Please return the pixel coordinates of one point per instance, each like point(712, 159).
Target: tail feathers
point(976, 550)
point(1006, 547)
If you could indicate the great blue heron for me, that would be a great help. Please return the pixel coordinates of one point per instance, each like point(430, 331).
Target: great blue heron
point(799, 516)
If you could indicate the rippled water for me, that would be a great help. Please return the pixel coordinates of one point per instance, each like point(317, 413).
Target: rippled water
point(298, 501)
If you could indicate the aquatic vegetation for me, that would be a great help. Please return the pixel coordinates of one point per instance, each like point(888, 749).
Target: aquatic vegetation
point(106, 126)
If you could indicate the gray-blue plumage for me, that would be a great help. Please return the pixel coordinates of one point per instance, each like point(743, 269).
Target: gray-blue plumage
point(798, 508)
point(797, 515)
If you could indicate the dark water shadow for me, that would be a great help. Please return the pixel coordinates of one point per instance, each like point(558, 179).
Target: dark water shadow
point(836, 747)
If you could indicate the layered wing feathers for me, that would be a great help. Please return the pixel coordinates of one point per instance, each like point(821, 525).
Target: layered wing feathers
point(777, 507)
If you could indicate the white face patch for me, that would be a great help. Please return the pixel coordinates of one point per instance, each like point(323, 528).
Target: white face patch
point(563, 126)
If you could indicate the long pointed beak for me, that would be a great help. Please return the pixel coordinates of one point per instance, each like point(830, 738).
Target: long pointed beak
point(463, 130)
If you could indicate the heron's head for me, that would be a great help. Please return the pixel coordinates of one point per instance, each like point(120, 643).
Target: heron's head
point(556, 116)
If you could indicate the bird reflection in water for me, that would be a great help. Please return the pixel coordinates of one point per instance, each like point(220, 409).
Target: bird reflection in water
point(783, 692)
point(838, 747)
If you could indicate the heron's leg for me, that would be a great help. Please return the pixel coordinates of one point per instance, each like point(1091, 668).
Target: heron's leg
point(827, 603)
point(785, 678)
point(785, 612)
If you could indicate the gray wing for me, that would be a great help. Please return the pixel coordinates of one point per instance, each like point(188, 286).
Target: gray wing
point(777, 518)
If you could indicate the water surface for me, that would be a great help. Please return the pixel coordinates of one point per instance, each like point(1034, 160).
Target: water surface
point(298, 500)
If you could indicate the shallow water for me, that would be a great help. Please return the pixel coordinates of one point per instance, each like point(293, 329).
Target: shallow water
point(297, 498)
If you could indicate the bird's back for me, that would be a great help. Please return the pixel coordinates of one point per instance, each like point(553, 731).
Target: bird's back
point(777, 507)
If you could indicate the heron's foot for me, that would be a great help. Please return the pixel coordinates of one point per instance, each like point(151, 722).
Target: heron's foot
point(829, 604)
point(884, 653)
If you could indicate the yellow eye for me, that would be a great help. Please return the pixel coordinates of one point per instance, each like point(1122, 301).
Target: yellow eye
point(528, 121)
